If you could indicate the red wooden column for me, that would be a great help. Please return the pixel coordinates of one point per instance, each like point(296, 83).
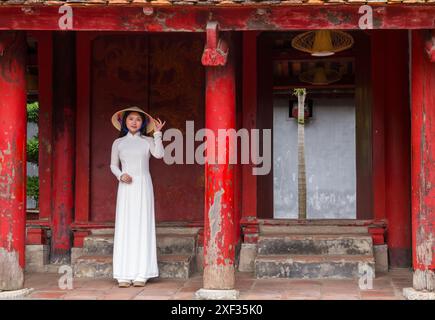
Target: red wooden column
point(249, 190)
point(63, 155)
point(379, 82)
point(391, 98)
point(423, 163)
point(12, 158)
point(397, 148)
point(219, 232)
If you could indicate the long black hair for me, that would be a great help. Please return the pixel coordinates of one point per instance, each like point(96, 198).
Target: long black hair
point(124, 129)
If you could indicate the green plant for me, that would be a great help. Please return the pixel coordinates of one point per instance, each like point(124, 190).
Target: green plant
point(33, 112)
point(33, 150)
point(33, 188)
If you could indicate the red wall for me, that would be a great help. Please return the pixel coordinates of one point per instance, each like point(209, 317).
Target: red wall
point(163, 75)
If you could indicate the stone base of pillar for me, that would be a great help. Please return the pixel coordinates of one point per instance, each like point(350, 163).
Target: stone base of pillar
point(37, 257)
point(200, 259)
point(11, 273)
point(412, 294)
point(248, 252)
point(424, 280)
point(209, 294)
point(15, 294)
point(381, 257)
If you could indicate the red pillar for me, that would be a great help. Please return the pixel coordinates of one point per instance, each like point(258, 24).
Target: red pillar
point(397, 148)
point(391, 141)
point(249, 189)
point(12, 159)
point(423, 163)
point(219, 233)
point(378, 84)
point(63, 155)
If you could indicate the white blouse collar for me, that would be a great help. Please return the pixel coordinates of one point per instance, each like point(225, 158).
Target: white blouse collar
point(137, 134)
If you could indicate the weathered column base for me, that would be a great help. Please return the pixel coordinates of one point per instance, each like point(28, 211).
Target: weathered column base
point(423, 282)
point(219, 277)
point(219, 283)
point(11, 273)
point(214, 294)
point(412, 294)
point(16, 294)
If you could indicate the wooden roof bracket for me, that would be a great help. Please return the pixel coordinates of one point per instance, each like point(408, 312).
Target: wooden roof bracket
point(216, 49)
point(430, 45)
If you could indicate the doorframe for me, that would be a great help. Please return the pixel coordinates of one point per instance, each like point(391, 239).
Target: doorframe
point(363, 123)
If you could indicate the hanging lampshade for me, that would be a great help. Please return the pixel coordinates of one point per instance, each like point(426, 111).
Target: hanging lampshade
point(320, 76)
point(322, 43)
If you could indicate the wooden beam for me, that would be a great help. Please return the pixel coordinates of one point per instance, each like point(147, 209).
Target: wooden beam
point(195, 18)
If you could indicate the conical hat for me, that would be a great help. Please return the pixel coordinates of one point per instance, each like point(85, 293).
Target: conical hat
point(117, 118)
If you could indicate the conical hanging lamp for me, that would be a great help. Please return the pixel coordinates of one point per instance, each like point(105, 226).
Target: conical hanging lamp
point(322, 43)
point(320, 76)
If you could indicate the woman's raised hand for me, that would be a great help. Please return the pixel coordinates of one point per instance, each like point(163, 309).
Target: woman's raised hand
point(158, 123)
point(126, 178)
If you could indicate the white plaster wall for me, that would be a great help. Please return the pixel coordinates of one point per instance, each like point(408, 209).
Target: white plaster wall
point(32, 169)
point(329, 156)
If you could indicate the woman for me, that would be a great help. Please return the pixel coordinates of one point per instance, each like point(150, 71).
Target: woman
point(134, 250)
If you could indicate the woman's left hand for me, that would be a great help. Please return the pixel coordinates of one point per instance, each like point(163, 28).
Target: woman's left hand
point(158, 123)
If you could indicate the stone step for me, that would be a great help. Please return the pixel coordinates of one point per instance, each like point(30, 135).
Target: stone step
point(319, 244)
point(161, 228)
point(312, 229)
point(102, 244)
point(98, 245)
point(170, 266)
point(314, 266)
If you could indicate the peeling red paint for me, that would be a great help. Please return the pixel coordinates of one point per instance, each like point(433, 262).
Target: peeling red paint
point(219, 232)
point(12, 144)
point(63, 156)
point(195, 18)
point(423, 161)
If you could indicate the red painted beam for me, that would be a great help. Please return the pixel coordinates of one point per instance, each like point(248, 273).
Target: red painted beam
point(195, 18)
point(423, 164)
point(219, 233)
point(12, 159)
point(63, 156)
